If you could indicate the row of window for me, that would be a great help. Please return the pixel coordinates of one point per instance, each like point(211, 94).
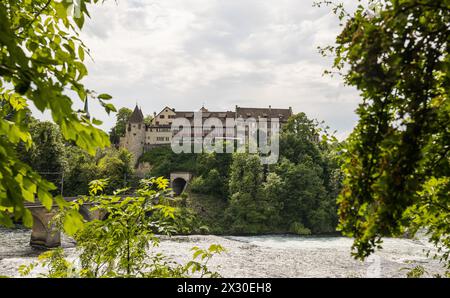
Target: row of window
point(169, 116)
point(162, 139)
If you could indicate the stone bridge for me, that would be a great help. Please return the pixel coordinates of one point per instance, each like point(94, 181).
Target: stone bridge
point(179, 181)
point(47, 236)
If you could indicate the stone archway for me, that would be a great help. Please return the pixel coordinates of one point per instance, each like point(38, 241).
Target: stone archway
point(178, 186)
point(179, 181)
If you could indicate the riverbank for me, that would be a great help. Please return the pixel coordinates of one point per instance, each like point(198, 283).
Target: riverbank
point(258, 256)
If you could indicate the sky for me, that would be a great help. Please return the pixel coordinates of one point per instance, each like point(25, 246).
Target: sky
point(217, 53)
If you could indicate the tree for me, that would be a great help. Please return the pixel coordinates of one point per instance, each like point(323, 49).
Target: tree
point(148, 120)
point(47, 153)
point(310, 173)
point(81, 169)
point(246, 174)
point(122, 117)
point(249, 210)
point(396, 161)
point(305, 199)
point(41, 59)
point(121, 244)
point(117, 167)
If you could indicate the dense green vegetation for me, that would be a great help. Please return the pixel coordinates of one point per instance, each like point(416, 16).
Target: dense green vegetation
point(121, 244)
point(70, 168)
point(122, 116)
point(396, 165)
point(396, 161)
point(296, 195)
point(41, 59)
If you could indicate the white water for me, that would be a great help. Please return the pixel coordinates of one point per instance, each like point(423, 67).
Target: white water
point(259, 256)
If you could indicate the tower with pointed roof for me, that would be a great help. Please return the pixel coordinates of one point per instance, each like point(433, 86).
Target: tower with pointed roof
point(135, 133)
point(140, 137)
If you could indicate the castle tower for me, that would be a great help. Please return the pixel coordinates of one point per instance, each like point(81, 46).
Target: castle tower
point(135, 133)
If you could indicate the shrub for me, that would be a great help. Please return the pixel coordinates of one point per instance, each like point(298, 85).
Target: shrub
point(299, 229)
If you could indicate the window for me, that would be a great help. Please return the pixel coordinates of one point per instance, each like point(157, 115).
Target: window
point(161, 116)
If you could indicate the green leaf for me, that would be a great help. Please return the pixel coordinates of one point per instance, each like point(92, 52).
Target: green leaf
point(27, 218)
point(45, 198)
point(105, 96)
point(73, 222)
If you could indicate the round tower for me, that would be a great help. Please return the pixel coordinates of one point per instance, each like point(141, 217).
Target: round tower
point(135, 133)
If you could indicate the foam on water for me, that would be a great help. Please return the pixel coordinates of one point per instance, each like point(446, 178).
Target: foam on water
point(258, 256)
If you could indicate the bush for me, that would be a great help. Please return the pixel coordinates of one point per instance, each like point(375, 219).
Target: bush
point(299, 229)
point(121, 244)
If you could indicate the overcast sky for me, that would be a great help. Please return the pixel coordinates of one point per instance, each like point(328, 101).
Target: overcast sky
point(220, 53)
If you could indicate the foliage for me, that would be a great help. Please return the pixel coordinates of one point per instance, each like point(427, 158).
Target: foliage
point(46, 154)
point(120, 244)
point(211, 170)
point(416, 272)
point(205, 255)
point(299, 137)
point(250, 210)
point(117, 167)
point(71, 168)
point(55, 262)
point(148, 120)
point(305, 198)
point(299, 229)
point(428, 212)
point(298, 192)
point(81, 169)
point(214, 170)
point(209, 213)
point(164, 161)
point(41, 59)
point(112, 164)
point(396, 54)
point(122, 117)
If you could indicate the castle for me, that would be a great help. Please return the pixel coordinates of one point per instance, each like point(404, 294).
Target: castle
point(140, 137)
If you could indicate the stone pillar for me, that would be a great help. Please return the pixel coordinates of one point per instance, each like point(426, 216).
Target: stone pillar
point(43, 235)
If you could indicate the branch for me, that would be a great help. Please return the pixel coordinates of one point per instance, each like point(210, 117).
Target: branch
point(36, 15)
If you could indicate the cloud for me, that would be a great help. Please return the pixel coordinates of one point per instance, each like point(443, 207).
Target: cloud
point(184, 53)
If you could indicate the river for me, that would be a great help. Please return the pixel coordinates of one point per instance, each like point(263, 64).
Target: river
point(258, 256)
